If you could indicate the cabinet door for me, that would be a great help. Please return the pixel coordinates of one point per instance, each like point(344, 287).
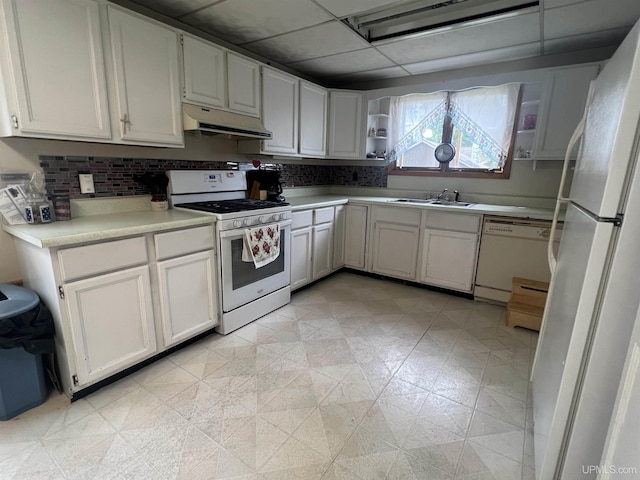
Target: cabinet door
point(355, 236)
point(563, 102)
point(395, 250)
point(339, 219)
point(280, 111)
point(147, 87)
point(187, 296)
point(243, 80)
point(111, 320)
point(55, 54)
point(205, 72)
point(301, 250)
point(345, 114)
point(322, 258)
point(449, 259)
point(313, 120)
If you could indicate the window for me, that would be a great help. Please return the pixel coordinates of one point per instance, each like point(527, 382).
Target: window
point(478, 122)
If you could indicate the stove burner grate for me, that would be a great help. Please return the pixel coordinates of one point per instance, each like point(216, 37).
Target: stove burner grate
point(230, 206)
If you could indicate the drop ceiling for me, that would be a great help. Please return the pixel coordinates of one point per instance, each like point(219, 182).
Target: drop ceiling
point(318, 38)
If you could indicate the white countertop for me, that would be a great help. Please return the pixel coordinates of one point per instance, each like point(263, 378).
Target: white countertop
point(318, 201)
point(107, 226)
point(103, 227)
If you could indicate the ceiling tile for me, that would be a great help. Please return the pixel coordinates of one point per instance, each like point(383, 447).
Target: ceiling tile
point(390, 72)
point(319, 41)
point(459, 41)
point(471, 59)
point(559, 3)
point(588, 17)
point(586, 41)
point(241, 21)
point(342, 63)
point(175, 8)
point(343, 8)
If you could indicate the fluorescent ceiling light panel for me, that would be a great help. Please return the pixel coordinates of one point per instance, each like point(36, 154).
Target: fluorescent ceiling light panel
point(434, 16)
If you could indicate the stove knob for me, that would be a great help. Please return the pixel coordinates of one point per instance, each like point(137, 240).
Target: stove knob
point(276, 217)
point(246, 222)
point(237, 223)
point(263, 219)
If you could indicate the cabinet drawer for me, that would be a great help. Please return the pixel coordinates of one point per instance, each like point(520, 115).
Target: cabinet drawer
point(102, 257)
point(454, 221)
point(398, 215)
point(322, 215)
point(181, 242)
point(301, 219)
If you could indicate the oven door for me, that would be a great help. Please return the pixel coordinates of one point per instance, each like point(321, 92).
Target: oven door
point(242, 282)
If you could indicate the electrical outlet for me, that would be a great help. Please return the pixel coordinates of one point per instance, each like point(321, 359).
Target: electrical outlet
point(86, 183)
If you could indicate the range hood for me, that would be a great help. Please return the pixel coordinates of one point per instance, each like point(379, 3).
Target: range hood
point(210, 121)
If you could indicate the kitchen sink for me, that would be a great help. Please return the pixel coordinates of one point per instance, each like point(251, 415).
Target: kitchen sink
point(453, 204)
point(412, 200)
point(433, 201)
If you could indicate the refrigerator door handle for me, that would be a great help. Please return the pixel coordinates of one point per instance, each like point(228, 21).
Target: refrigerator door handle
point(561, 199)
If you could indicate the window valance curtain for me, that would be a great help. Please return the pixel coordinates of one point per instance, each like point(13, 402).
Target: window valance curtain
point(484, 114)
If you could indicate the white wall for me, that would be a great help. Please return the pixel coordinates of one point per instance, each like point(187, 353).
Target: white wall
point(525, 186)
point(541, 183)
point(21, 155)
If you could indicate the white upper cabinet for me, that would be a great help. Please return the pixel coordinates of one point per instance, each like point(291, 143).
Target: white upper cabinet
point(144, 58)
point(313, 120)
point(243, 80)
point(345, 119)
point(280, 111)
point(561, 108)
point(295, 111)
point(53, 70)
point(205, 73)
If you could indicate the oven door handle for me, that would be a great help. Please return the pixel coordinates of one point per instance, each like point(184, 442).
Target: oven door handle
point(240, 231)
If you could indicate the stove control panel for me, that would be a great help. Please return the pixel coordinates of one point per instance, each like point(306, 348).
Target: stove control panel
point(202, 181)
point(247, 221)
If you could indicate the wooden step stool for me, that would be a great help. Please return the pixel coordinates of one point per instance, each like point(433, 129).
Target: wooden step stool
point(526, 306)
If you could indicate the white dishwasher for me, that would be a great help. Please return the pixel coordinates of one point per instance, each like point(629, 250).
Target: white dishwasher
point(509, 248)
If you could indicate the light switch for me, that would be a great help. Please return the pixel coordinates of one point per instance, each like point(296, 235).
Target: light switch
point(86, 183)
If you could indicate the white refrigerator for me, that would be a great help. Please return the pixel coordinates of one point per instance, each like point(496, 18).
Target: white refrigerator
point(586, 337)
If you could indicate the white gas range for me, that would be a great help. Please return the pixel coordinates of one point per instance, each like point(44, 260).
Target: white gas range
point(246, 292)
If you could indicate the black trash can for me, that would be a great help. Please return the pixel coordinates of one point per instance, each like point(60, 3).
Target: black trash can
point(26, 334)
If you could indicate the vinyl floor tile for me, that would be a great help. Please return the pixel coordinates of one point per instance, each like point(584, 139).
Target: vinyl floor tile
point(356, 379)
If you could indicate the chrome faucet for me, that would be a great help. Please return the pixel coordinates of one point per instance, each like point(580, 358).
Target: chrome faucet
point(439, 197)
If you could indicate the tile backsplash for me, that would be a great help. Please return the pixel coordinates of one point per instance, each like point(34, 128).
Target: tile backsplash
point(114, 176)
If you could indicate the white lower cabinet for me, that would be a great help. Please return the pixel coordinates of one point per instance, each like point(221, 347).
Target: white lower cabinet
point(322, 250)
point(450, 250)
point(448, 259)
point(187, 287)
point(355, 236)
point(116, 303)
point(396, 238)
point(395, 250)
point(301, 251)
point(311, 245)
point(112, 323)
point(339, 225)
